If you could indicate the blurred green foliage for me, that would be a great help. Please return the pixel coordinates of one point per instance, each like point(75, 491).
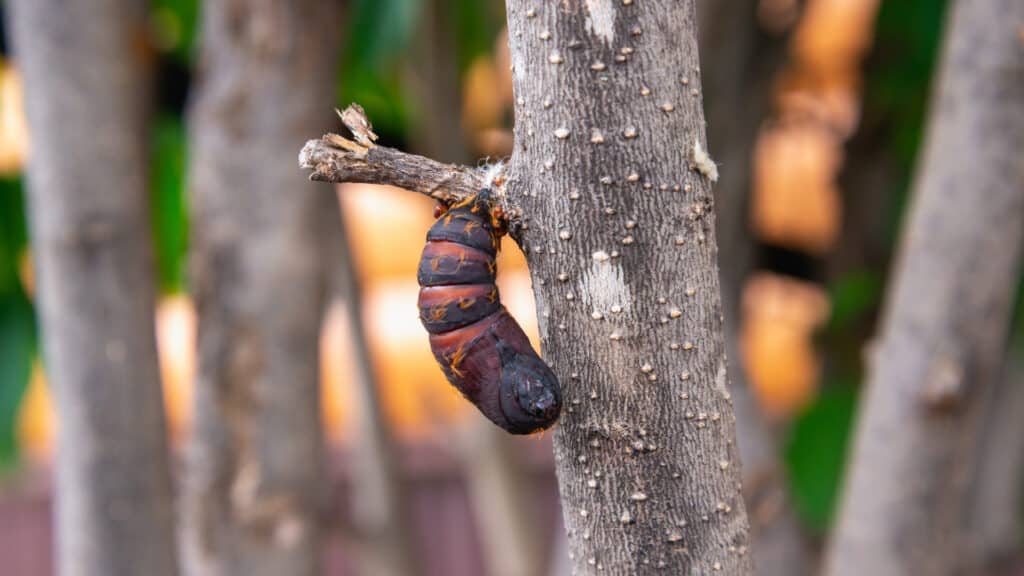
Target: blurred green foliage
point(17, 320)
point(853, 295)
point(380, 34)
point(173, 27)
point(168, 202)
point(17, 348)
point(477, 25)
point(381, 38)
point(815, 452)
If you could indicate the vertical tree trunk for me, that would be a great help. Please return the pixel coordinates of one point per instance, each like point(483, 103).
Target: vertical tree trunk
point(258, 274)
point(948, 310)
point(618, 228)
point(608, 193)
point(992, 524)
point(86, 92)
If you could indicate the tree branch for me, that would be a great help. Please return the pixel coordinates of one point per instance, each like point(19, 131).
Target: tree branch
point(335, 158)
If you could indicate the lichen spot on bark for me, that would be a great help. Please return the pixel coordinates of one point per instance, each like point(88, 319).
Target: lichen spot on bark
point(601, 21)
point(603, 287)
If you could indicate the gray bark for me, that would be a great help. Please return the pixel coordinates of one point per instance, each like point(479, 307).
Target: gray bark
point(608, 115)
point(254, 479)
point(87, 91)
point(992, 526)
point(947, 312)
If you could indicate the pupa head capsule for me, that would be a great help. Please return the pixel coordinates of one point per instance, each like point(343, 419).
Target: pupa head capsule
point(529, 394)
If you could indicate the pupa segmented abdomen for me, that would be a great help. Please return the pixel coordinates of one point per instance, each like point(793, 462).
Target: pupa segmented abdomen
point(481, 349)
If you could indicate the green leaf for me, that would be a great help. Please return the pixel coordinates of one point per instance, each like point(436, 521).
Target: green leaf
point(17, 321)
point(816, 453)
point(898, 80)
point(381, 31)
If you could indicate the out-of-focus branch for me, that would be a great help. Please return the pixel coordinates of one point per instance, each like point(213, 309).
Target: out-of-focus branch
point(335, 158)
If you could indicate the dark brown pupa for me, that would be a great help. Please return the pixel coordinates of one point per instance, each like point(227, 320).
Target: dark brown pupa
point(481, 349)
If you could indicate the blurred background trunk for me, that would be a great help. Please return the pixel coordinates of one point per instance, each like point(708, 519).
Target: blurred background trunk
point(255, 476)
point(87, 87)
point(948, 310)
point(992, 525)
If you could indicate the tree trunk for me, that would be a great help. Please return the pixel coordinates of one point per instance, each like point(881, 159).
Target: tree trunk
point(87, 90)
point(618, 229)
point(254, 480)
point(948, 310)
point(608, 193)
point(992, 523)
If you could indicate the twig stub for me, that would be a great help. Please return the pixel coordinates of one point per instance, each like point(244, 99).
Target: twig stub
point(335, 158)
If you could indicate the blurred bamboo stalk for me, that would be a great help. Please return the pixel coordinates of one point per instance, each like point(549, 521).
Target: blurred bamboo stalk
point(254, 480)
point(87, 89)
point(380, 519)
point(948, 309)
